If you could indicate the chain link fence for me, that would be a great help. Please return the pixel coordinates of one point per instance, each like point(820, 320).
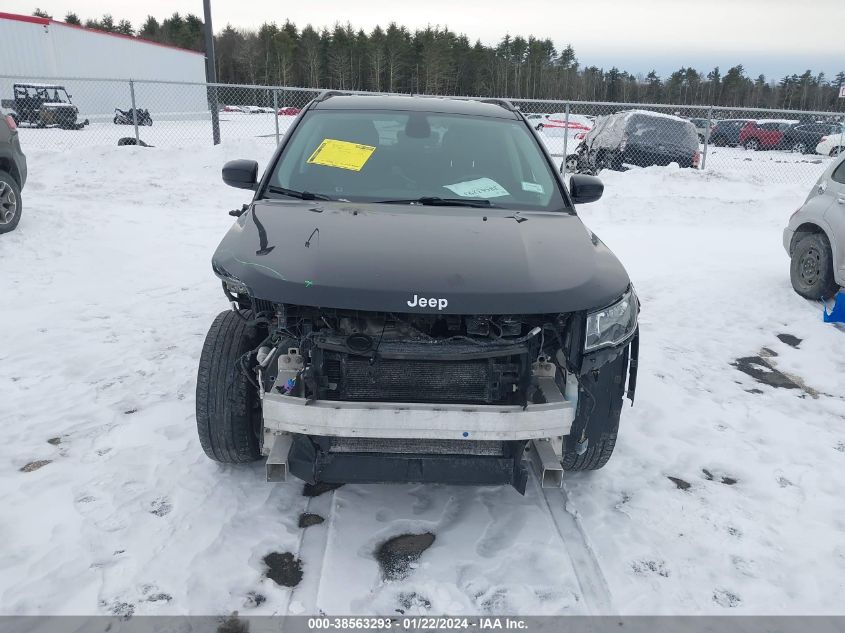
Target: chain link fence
point(786, 146)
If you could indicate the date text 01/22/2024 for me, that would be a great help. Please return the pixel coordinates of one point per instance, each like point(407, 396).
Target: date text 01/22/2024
point(418, 623)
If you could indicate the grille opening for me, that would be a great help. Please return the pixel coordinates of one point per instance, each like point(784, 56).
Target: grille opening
point(478, 381)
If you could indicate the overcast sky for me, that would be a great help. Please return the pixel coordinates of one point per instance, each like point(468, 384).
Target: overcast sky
point(774, 37)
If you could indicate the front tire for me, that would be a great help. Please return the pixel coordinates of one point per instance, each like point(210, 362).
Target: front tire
point(600, 399)
point(229, 420)
point(811, 268)
point(10, 202)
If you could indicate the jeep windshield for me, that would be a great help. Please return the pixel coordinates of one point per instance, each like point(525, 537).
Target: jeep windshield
point(416, 158)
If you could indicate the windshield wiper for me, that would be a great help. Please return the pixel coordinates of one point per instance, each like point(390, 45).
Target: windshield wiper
point(434, 201)
point(302, 195)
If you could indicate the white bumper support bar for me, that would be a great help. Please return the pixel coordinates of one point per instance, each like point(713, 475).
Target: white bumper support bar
point(430, 421)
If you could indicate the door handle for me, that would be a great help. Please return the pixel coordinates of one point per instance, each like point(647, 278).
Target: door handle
point(841, 199)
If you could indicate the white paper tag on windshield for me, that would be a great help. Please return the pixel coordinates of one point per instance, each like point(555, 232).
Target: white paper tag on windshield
point(478, 188)
point(532, 186)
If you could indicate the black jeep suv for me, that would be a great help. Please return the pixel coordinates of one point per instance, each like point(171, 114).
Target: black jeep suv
point(12, 174)
point(414, 298)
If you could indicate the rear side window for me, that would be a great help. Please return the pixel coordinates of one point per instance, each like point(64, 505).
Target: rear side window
point(839, 173)
point(655, 130)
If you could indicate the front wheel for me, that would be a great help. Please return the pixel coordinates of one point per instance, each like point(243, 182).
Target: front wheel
point(572, 163)
point(811, 268)
point(836, 151)
point(596, 425)
point(753, 144)
point(10, 202)
point(799, 148)
point(229, 421)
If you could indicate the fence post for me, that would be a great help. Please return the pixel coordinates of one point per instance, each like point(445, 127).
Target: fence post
point(707, 137)
point(276, 112)
point(842, 137)
point(134, 111)
point(565, 141)
point(211, 94)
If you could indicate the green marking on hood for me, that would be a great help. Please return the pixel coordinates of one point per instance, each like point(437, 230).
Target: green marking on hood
point(275, 272)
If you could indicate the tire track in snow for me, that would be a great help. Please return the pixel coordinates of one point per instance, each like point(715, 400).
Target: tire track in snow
point(594, 586)
point(313, 544)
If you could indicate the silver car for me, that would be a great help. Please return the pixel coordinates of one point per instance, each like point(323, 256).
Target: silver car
point(815, 237)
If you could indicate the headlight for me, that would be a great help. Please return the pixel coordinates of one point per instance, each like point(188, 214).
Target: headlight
point(613, 324)
point(235, 285)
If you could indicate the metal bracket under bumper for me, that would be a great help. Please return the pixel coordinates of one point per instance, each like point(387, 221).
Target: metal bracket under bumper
point(311, 465)
point(425, 421)
point(546, 464)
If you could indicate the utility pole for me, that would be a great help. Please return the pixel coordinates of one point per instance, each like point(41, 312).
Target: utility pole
point(211, 73)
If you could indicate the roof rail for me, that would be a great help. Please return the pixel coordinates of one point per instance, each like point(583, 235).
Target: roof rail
point(327, 94)
point(503, 103)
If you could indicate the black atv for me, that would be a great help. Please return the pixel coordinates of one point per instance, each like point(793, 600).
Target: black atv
point(127, 117)
point(45, 105)
point(414, 298)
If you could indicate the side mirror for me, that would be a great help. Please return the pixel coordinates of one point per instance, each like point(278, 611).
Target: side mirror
point(241, 173)
point(584, 189)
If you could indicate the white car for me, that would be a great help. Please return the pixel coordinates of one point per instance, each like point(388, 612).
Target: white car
point(815, 237)
point(831, 145)
point(534, 118)
point(557, 124)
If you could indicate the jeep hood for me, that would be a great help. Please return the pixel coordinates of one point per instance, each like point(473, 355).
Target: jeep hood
point(377, 257)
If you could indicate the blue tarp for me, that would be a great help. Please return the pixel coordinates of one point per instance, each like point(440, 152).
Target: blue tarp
point(837, 313)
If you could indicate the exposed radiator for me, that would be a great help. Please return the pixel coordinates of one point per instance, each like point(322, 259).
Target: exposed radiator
point(416, 381)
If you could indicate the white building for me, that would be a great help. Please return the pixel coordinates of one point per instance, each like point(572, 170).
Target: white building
point(41, 49)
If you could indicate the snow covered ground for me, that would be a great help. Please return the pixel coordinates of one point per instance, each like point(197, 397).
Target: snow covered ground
point(723, 496)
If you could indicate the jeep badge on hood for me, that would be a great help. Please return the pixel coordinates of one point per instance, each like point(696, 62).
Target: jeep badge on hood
point(427, 303)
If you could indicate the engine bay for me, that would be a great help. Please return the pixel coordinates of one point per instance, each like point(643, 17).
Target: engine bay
point(356, 356)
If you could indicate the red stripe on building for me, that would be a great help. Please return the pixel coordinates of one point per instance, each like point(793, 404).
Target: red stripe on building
point(46, 22)
point(24, 18)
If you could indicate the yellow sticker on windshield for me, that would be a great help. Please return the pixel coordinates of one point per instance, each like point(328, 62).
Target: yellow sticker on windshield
point(341, 154)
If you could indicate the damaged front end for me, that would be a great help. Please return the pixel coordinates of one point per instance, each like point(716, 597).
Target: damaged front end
point(356, 396)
